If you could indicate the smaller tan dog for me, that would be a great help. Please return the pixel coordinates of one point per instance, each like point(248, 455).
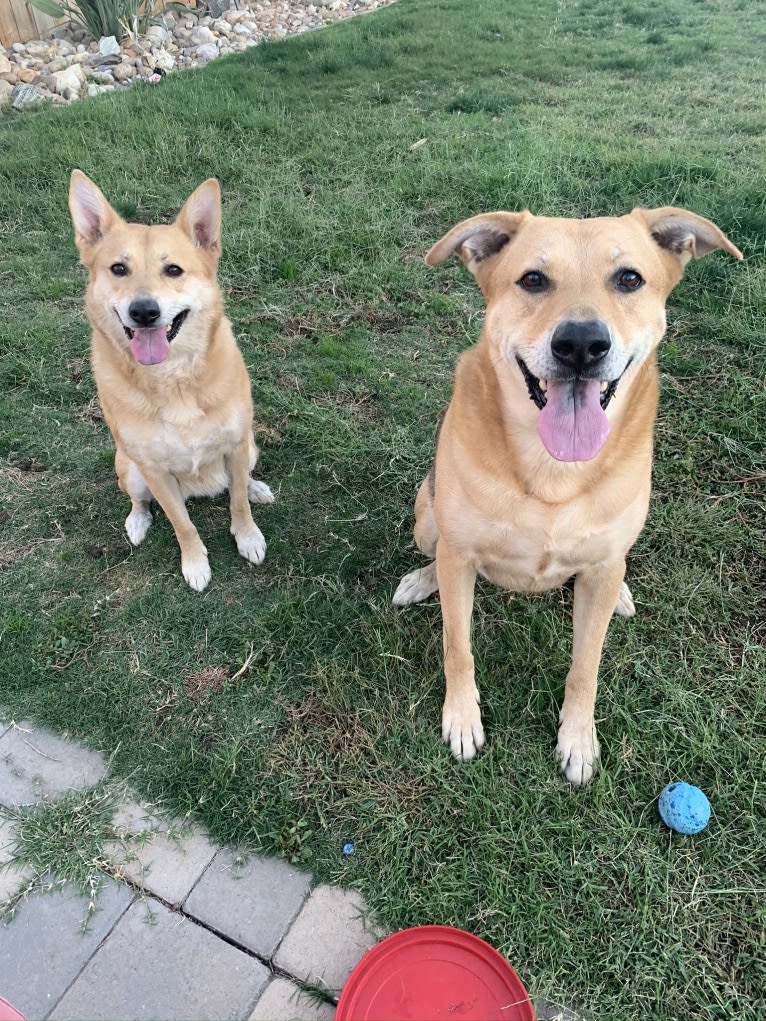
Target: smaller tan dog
point(543, 461)
point(171, 380)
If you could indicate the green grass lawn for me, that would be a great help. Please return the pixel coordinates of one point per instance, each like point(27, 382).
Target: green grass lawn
point(332, 732)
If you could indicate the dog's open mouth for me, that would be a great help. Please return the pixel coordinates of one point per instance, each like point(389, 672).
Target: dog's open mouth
point(152, 346)
point(572, 422)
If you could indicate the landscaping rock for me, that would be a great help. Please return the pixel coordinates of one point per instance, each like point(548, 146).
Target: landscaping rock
point(69, 81)
point(6, 91)
point(157, 34)
point(202, 35)
point(70, 64)
point(124, 72)
point(108, 45)
point(101, 76)
point(164, 60)
point(217, 7)
point(206, 52)
point(24, 95)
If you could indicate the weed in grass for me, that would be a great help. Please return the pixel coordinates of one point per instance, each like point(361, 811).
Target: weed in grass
point(60, 842)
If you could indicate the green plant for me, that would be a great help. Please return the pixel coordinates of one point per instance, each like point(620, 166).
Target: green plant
point(293, 842)
point(103, 17)
point(59, 841)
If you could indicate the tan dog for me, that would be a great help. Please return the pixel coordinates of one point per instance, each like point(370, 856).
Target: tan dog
point(171, 380)
point(543, 461)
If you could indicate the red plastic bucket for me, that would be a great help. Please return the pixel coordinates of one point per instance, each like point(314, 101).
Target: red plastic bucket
point(434, 972)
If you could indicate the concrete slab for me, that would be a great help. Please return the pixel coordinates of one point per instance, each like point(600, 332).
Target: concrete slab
point(159, 966)
point(35, 764)
point(8, 829)
point(327, 939)
point(251, 901)
point(163, 857)
point(12, 876)
point(545, 1011)
point(44, 948)
point(282, 1000)
point(13, 879)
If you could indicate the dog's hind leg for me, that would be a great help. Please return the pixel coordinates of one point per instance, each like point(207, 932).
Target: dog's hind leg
point(416, 586)
point(257, 492)
point(248, 536)
point(421, 583)
point(625, 606)
point(132, 482)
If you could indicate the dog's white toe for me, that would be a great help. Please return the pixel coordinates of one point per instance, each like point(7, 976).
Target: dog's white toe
point(196, 571)
point(578, 752)
point(137, 525)
point(416, 586)
point(625, 606)
point(251, 545)
point(259, 492)
point(462, 728)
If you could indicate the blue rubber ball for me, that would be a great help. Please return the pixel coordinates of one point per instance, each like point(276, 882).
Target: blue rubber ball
point(684, 808)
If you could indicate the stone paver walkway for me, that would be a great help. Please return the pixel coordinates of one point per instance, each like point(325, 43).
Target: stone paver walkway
point(184, 929)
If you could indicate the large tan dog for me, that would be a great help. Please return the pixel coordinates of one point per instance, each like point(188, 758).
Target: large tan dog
point(543, 460)
point(171, 380)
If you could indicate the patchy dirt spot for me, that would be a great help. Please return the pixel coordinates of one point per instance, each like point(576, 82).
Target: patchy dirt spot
point(78, 369)
point(201, 683)
point(91, 412)
point(31, 464)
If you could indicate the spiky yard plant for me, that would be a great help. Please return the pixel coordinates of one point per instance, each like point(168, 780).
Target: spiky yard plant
point(103, 17)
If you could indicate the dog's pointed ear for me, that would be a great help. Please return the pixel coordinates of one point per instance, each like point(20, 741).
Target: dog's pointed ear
point(200, 217)
point(478, 240)
point(685, 235)
point(92, 215)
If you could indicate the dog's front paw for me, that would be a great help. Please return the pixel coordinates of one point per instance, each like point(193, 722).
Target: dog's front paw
point(578, 751)
point(462, 729)
point(137, 525)
point(416, 586)
point(196, 571)
point(251, 544)
point(259, 492)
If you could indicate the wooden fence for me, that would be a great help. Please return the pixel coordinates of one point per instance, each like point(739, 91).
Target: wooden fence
point(20, 21)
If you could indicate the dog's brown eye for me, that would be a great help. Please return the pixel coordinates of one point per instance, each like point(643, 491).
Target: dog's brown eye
point(119, 269)
point(173, 271)
point(629, 280)
point(533, 281)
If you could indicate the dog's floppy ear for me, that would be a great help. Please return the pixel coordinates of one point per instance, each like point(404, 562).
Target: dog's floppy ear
point(685, 235)
point(92, 215)
point(200, 217)
point(477, 240)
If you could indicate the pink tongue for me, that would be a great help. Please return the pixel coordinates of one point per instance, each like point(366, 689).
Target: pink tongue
point(573, 425)
point(150, 347)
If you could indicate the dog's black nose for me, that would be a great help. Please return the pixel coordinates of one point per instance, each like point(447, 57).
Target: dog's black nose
point(144, 312)
point(581, 344)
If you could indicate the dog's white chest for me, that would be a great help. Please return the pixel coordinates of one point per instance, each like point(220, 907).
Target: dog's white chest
point(534, 551)
point(188, 444)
